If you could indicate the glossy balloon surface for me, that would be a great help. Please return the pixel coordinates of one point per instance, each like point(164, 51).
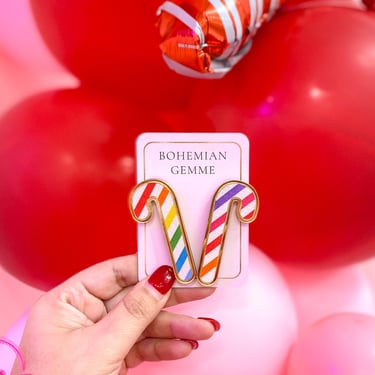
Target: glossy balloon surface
point(304, 96)
point(343, 344)
point(67, 165)
point(322, 292)
point(112, 45)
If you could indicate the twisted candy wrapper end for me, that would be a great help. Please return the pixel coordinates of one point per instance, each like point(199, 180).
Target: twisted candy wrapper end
point(218, 68)
point(206, 38)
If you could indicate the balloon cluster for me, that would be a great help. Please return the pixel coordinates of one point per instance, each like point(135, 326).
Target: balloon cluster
point(303, 94)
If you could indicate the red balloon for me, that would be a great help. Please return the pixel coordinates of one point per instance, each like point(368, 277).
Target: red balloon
point(305, 97)
point(292, 5)
point(111, 45)
point(370, 4)
point(67, 165)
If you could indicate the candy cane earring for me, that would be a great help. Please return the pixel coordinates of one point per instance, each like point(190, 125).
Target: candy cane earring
point(225, 197)
point(141, 207)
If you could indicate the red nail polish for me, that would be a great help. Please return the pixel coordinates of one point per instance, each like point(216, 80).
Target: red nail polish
point(162, 279)
point(214, 322)
point(194, 344)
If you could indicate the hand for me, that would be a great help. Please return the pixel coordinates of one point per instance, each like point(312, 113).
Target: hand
point(102, 322)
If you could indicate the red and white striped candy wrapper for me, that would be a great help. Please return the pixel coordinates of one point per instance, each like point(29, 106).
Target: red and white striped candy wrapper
point(206, 38)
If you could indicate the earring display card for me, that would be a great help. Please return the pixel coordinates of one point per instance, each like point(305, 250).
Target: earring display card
point(193, 204)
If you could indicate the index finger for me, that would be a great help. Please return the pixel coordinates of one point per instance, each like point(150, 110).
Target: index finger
point(178, 295)
point(109, 280)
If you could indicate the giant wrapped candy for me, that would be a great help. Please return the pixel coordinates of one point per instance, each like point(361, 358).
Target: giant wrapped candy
point(206, 38)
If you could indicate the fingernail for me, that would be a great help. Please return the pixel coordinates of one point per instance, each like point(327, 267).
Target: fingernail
point(162, 279)
point(194, 344)
point(214, 322)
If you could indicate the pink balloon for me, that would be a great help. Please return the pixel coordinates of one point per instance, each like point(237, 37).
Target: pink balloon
point(258, 327)
point(322, 292)
point(15, 298)
point(18, 82)
point(342, 344)
point(20, 37)
point(26, 64)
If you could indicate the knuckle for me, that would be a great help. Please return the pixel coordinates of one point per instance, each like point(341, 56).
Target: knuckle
point(138, 306)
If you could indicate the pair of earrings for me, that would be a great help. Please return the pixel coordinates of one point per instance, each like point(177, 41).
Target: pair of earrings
point(155, 193)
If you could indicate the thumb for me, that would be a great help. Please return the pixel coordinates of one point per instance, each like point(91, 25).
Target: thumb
point(121, 328)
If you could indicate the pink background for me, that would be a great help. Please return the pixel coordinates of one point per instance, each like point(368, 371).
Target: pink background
point(27, 67)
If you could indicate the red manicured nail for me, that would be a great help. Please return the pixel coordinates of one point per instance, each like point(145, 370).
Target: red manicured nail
point(214, 322)
point(194, 344)
point(162, 279)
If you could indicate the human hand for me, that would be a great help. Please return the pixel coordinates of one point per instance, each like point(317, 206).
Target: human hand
point(102, 322)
